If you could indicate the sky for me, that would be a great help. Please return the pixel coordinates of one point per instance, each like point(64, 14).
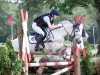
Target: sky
point(13, 1)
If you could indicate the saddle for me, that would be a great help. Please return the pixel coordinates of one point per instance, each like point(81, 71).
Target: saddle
point(32, 37)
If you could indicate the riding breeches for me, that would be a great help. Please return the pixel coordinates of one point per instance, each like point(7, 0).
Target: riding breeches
point(38, 29)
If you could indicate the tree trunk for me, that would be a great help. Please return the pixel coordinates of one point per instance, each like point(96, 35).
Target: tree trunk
point(98, 24)
point(98, 66)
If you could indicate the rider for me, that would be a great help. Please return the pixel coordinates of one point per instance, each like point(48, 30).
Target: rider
point(41, 23)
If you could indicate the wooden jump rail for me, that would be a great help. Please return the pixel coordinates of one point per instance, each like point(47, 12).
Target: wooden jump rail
point(50, 64)
point(63, 70)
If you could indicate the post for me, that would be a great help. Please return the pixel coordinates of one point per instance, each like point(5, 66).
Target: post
point(77, 65)
point(20, 38)
point(26, 65)
point(68, 72)
point(94, 36)
point(77, 70)
point(26, 55)
point(12, 32)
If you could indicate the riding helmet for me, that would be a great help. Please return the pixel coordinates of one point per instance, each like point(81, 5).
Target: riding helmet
point(55, 12)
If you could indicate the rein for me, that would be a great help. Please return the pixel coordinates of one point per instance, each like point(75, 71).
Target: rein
point(71, 32)
point(66, 30)
point(48, 36)
point(51, 33)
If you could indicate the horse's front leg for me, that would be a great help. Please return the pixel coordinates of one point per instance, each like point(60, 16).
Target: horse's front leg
point(43, 45)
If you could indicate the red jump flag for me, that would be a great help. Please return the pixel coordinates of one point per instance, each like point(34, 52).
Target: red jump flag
point(10, 20)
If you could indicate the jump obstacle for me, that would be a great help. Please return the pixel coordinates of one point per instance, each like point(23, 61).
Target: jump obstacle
point(26, 52)
point(50, 64)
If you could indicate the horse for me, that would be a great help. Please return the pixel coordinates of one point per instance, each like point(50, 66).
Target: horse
point(56, 36)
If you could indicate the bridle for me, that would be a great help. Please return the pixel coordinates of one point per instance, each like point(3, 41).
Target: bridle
point(73, 31)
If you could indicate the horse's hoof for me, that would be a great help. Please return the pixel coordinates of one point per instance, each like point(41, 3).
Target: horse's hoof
point(41, 49)
point(38, 49)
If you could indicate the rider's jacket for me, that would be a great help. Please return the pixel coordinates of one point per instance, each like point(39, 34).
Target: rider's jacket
point(41, 23)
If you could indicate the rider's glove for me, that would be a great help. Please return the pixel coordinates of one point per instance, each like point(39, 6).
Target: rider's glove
point(59, 25)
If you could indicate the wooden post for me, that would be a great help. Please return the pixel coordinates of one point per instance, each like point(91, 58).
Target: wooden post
point(68, 72)
point(20, 39)
point(26, 65)
point(26, 55)
point(77, 65)
point(77, 70)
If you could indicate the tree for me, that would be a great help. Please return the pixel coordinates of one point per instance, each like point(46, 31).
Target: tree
point(97, 5)
point(37, 7)
point(64, 5)
point(5, 12)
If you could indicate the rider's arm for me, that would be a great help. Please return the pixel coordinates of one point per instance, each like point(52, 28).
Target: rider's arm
point(47, 20)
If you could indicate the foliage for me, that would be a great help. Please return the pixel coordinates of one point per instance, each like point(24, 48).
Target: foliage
point(64, 5)
point(9, 62)
point(88, 13)
point(87, 66)
point(68, 9)
point(68, 5)
point(97, 3)
point(6, 11)
point(37, 7)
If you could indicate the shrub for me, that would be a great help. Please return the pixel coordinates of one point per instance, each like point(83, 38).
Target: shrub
point(9, 62)
point(87, 67)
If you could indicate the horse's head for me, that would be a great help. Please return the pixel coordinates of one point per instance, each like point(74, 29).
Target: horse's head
point(75, 30)
point(79, 32)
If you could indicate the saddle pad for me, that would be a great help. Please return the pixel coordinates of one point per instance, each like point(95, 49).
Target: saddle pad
point(32, 39)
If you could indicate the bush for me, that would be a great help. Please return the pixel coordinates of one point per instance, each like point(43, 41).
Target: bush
point(9, 62)
point(87, 67)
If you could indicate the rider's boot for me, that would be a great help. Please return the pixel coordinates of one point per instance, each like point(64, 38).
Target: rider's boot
point(43, 44)
point(40, 40)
